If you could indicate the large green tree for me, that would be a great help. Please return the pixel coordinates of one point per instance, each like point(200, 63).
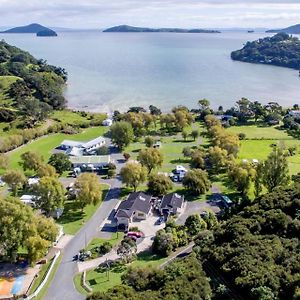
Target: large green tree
point(60, 162)
point(159, 184)
point(133, 174)
point(31, 161)
point(151, 158)
point(122, 134)
point(196, 182)
point(275, 169)
point(15, 179)
point(50, 194)
point(88, 189)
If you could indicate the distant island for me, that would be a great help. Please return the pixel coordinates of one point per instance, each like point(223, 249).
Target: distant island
point(46, 32)
point(280, 50)
point(31, 28)
point(295, 29)
point(127, 28)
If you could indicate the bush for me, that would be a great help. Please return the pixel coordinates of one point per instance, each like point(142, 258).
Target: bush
point(242, 136)
point(105, 248)
point(104, 150)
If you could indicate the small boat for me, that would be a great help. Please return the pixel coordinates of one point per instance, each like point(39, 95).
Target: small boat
point(250, 31)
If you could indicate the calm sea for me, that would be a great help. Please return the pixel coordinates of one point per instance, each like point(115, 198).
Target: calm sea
point(109, 71)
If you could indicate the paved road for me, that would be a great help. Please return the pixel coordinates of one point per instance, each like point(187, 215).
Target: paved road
point(62, 286)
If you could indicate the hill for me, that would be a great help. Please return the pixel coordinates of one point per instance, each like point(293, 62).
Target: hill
point(295, 29)
point(280, 50)
point(127, 28)
point(28, 86)
point(46, 32)
point(31, 28)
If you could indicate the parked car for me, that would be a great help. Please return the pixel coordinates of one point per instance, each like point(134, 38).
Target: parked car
point(160, 220)
point(135, 233)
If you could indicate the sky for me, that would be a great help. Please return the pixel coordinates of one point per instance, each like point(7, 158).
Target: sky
point(152, 13)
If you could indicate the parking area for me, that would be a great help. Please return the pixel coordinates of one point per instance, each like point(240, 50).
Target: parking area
point(149, 227)
point(197, 207)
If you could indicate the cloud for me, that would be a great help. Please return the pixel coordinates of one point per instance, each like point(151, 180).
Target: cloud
point(185, 13)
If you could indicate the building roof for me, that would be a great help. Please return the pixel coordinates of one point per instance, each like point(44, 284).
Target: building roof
point(70, 143)
point(172, 200)
point(90, 159)
point(74, 151)
point(94, 142)
point(137, 201)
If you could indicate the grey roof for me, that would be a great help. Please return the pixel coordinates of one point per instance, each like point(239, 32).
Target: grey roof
point(135, 201)
point(70, 143)
point(172, 200)
point(94, 142)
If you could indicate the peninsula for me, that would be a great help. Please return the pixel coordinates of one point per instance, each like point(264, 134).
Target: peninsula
point(31, 28)
point(295, 29)
point(280, 50)
point(127, 28)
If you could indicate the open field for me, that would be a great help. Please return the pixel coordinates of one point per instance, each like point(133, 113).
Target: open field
point(5, 82)
point(45, 145)
point(260, 132)
point(74, 218)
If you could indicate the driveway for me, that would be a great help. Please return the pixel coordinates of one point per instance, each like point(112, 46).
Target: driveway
point(197, 207)
point(62, 286)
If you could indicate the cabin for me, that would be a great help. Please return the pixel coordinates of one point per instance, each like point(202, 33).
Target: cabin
point(107, 122)
point(135, 208)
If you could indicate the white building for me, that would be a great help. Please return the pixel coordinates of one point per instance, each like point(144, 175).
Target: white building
point(107, 122)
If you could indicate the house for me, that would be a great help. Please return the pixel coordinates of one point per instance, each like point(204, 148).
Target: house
point(135, 208)
point(68, 144)
point(92, 161)
point(171, 204)
point(107, 122)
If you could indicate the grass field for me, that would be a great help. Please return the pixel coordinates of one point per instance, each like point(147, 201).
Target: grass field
point(45, 145)
point(99, 281)
point(258, 132)
point(73, 218)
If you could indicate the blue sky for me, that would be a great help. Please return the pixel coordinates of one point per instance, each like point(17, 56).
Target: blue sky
point(156, 13)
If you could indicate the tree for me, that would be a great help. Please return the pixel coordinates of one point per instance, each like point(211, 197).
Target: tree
point(195, 134)
point(133, 174)
point(60, 162)
point(159, 184)
point(194, 224)
point(163, 243)
point(36, 247)
point(196, 181)
point(217, 158)
point(46, 170)
point(88, 189)
point(184, 134)
point(154, 110)
point(197, 159)
point(50, 194)
point(122, 134)
point(151, 158)
point(149, 141)
point(31, 161)
point(187, 151)
point(204, 104)
point(242, 176)
point(21, 227)
point(258, 180)
point(275, 169)
point(15, 179)
point(4, 161)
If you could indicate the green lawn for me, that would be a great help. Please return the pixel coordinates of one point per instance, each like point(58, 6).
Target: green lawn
point(45, 145)
point(73, 218)
point(99, 281)
point(257, 132)
point(5, 82)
